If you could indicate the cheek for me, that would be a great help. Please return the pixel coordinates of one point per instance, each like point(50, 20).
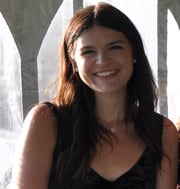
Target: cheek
point(83, 65)
point(80, 64)
point(84, 71)
point(84, 74)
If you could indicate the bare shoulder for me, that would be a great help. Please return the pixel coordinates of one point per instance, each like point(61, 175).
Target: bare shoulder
point(167, 175)
point(40, 113)
point(170, 141)
point(169, 130)
point(40, 123)
point(35, 149)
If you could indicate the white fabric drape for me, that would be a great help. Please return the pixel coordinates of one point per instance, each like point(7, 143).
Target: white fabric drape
point(10, 101)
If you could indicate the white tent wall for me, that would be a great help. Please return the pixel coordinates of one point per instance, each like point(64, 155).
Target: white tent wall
point(30, 32)
point(28, 22)
point(11, 101)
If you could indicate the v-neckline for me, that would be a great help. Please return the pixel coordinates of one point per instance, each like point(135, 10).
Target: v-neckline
point(93, 171)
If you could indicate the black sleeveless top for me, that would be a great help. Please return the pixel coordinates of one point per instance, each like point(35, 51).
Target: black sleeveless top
point(142, 175)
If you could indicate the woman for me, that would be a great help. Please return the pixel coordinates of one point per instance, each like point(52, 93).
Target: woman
point(101, 129)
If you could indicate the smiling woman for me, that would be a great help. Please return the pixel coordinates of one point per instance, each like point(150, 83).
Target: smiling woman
point(104, 60)
point(101, 129)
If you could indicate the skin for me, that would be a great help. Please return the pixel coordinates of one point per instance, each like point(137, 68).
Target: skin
point(35, 150)
point(104, 60)
point(105, 63)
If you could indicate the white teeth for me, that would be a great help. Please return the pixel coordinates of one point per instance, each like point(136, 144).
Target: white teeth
point(107, 73)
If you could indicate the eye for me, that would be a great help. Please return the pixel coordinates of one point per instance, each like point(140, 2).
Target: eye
point(116, 47)
point(88, 52)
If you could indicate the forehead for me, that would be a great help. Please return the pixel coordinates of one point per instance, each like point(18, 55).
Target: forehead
point(98, 35)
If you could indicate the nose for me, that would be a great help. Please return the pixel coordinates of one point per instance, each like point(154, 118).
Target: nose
point(102, 58)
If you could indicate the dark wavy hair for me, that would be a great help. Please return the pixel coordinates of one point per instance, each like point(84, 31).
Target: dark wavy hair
point(79, 127)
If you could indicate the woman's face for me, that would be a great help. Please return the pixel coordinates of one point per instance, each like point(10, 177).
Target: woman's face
point(104, 59)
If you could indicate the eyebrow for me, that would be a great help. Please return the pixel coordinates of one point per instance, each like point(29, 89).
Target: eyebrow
point(115, 42)
point(109, 44)
point(86, 47)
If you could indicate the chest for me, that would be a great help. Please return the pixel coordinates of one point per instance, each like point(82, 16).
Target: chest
point(113, 160)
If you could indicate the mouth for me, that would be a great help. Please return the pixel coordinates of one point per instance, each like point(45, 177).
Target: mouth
point(106, 73)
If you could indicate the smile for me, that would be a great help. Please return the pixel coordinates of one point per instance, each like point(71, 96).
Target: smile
point(106, 73)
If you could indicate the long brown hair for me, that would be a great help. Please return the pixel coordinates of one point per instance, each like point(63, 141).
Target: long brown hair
point(81, 128)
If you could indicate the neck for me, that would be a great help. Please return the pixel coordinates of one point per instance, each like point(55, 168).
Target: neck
point(110, 108)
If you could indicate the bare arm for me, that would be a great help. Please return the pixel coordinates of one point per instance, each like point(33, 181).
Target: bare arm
point(167, 176)
point(35, 150)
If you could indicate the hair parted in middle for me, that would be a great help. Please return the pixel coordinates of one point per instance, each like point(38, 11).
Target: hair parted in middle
point(72, 92)
point(141, 87)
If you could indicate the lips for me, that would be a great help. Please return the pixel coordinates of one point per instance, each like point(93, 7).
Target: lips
point(106, 73)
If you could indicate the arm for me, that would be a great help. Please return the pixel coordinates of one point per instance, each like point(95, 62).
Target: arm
point(35, 150)
point(167, 176)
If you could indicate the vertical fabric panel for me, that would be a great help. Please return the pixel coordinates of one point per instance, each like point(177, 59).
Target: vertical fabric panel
point(48, 56)
point(173, 67)
point(11, 113)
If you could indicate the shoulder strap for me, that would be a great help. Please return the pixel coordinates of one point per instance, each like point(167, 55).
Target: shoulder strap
point(53, 107)
point(158, 120)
